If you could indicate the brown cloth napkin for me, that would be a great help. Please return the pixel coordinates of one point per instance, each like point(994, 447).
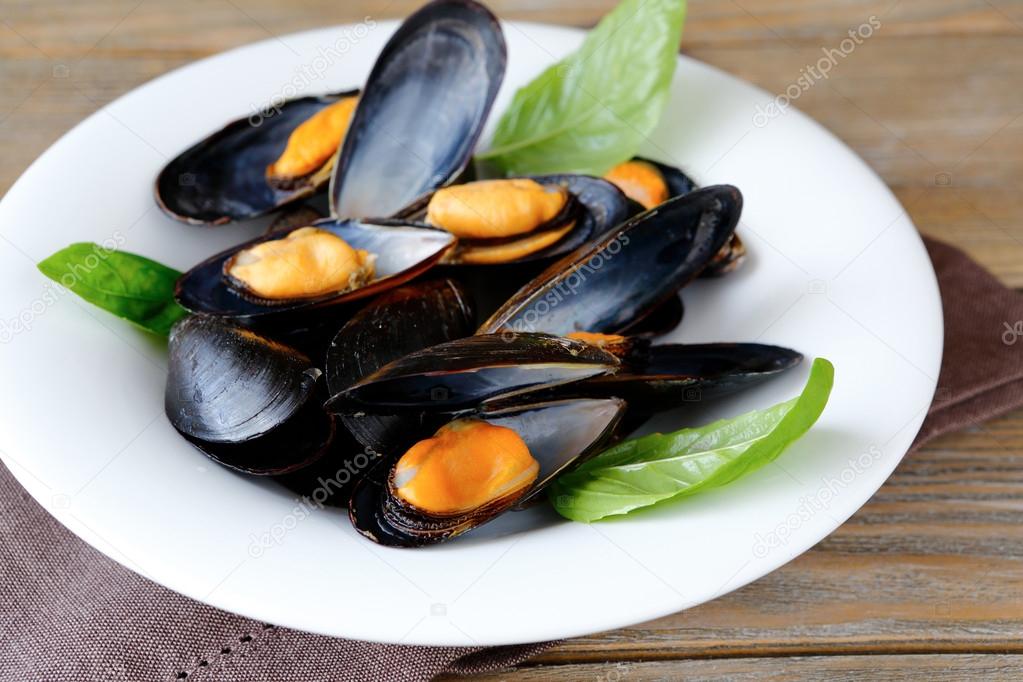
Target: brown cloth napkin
point(69, 613)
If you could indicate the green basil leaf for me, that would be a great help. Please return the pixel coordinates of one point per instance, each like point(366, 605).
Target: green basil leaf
point(594, 108)
point(644, 471)
point(133, 287)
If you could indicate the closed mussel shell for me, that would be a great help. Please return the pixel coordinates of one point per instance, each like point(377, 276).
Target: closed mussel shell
point(249, 403)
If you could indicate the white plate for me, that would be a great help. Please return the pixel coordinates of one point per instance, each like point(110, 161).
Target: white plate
point(836, 270)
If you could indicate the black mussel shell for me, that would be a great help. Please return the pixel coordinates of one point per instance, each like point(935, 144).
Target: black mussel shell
point(422, 110)
point(658, 378)
point(461, 374)
point(403, 252)
point(248, 402)
point(329, 480)
point(292, 218)
point(223, 177)
point(544, 428)
point(402, 321)
point(732, 254)
point(610, 285)
point(663, 319)
point(595, 205)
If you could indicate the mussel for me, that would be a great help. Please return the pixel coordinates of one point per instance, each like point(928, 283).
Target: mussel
point(257, 164)
point(649, 183)
point(464, 373)
point(654, 378)
point(611, 284)
point(246, 401)
point(422, 109)
point(416, 123)
point(307, 271)
point(516, 220)
point(476, 467)
point(402, 321)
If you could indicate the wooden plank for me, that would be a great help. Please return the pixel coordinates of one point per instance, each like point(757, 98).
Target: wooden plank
point(810, 668)
point(933, 563)
point(130, 26)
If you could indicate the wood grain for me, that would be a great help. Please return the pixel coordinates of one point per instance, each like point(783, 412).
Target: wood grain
point(927, 579)
point(810, 668)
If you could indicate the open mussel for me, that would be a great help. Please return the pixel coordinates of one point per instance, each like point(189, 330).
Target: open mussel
point(649, 183)
point(461, 374)
point(422, 109)
point(609, 285)
point(476, 467)
point(402, 321)
point(257, 164)
point(327, 263)
point(250, 403)
point(516, 220)
point(413, 130)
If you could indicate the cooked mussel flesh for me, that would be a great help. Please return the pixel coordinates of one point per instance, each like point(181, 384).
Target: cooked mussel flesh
point(516, 220)
point(475, 468)
point(324, 264)
point(305, 263)
point(649, 183)
point(224, 177)
point(497, 221)
point(308, 156)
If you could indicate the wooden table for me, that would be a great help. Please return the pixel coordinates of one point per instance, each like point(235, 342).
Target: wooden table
point(927, 579)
